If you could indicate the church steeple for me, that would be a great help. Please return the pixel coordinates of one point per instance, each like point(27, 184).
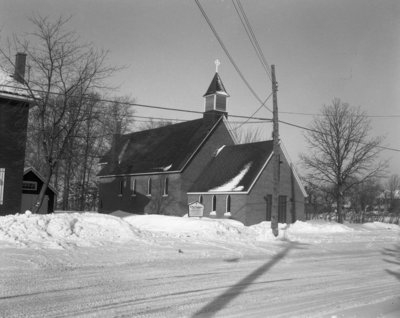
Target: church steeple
point(215, 96)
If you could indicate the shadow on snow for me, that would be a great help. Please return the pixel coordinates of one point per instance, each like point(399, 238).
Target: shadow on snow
point(230, 294)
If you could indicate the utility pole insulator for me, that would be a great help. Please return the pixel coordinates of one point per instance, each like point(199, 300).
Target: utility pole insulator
point(276, 156)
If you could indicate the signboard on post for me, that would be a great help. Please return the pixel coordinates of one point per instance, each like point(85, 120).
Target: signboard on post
point(196, 209)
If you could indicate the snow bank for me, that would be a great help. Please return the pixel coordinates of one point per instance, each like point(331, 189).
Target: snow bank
point(204, 228)
point(318, 226)
point(64, 229)
point(380, 226)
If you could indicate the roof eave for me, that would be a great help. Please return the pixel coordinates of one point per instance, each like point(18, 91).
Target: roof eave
point(138, 174)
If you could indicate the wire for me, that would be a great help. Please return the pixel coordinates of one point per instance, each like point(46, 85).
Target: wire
point(322, 133)
point(368, 116)
point(262, 105)
point(252, 37)
point(90, 97)
point(253, 40)
point(228, 54)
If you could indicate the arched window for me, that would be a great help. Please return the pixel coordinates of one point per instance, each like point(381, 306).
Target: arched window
point(149, 186)
point(165, 192)
point(228, 203)
point(121, 187)
point(133, 186)
point(214, 203)
point(201, 199)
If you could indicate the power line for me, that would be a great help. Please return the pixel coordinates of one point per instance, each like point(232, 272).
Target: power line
point(262, 105)
point(326, 134)
point(247, 27)
point(228, 54)
point(90, 97)
point(314, 114)
point(252, 37)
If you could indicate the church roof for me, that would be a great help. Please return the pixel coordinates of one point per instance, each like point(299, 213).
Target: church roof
point(234, 168)
point(216, 87)
point(163, 149)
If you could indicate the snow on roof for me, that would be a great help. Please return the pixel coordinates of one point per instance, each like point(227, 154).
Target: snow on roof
point(233, 184)
point(11, 88)
point(218, 150)
point(244, 161)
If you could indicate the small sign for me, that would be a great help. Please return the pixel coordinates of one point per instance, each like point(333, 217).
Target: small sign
point(196, 209)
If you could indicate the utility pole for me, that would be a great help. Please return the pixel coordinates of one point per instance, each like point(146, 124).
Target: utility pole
point(276, 155)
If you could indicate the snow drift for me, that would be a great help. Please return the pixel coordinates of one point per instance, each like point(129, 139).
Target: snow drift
point(67, 230)
point(64, 229)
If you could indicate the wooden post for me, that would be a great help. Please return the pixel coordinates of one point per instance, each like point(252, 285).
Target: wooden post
point(276, 155)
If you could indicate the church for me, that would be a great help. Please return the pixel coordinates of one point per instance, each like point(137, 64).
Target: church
point(163, 170)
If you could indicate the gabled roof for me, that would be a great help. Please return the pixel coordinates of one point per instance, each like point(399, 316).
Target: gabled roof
point(37, 173)
point(163, 149)
point(216, 87)
point(234, 168)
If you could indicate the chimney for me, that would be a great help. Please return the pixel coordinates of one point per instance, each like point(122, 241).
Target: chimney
point(19, 72)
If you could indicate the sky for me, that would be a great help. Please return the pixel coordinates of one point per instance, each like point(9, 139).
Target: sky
point(321, 50)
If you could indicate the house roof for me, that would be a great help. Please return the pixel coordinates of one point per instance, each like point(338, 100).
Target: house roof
point(34, 171)
point(216, 87)
point(12, 89)
point(234, 168)
point(163, 149)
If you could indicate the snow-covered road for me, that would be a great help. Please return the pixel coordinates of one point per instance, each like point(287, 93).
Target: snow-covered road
point(167, 269)
point(298, 280)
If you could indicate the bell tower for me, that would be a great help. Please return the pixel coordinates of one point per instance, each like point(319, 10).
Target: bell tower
point(216, 96)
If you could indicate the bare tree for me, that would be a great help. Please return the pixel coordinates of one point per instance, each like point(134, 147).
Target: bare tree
point(393, 184)
point(341, 154)
point(63, 71)
point(154, 123)
point(247, 135)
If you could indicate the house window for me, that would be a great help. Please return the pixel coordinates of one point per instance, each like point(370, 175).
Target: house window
point(214, 203)
point(228, 203)
point(29, 185)
point(268, 198)
point(201, 199)
point(282, 209)
point(149, 187)
point(2, 180)
point(133, 186)
point(165, 192)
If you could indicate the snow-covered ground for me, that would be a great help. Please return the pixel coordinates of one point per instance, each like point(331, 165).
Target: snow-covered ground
point(95, 265)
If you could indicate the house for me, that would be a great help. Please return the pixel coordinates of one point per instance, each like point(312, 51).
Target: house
point(31, 185)
point(161, 170)
point(14, 110)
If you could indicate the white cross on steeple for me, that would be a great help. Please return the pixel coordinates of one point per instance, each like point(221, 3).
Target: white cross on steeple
point(217, 63)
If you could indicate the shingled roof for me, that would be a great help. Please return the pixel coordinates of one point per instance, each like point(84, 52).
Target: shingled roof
point(162, 149)
point(216, 86)
point(234, 168)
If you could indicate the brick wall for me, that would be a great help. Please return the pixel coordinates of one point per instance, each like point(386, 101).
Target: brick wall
point(13, 125)
point(287, 187)
point(140, 201)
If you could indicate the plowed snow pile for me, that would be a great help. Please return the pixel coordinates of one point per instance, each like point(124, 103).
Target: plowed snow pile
point(63, 230)
point(66, 230)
